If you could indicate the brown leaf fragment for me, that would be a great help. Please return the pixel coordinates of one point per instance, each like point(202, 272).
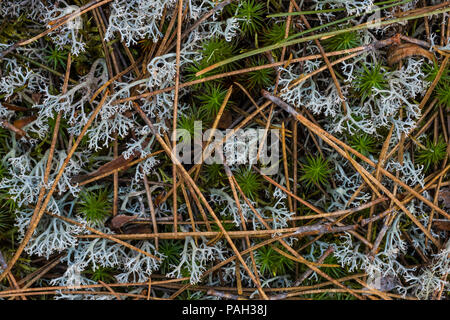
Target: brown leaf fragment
point(117, 163)
point(444, 196)
point(441, 224)
point(13, 107)
point(120, 220)
point(225, 121)
point(402, 51)
point(20, 123)
point(159, 199)
point(137, 229)
point(5, 124)
point(36, 97)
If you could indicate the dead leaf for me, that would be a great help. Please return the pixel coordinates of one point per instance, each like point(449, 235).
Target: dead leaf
point(159, 198)
point(108, 167)
point(20, 123)
point(137, 228)
point(441, 224)
point(120, 220)
point(225, 120)
point(14, 107)
point(402, 51)
point(9, 126)
point(36, 97)
point(444, 196)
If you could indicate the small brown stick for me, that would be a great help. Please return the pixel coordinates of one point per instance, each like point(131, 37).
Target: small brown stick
point(285, 165)
point(170, 41)
point(253, 248)
point(380, 163)
point(149, 289)
point(168, 31)
point(91, 286)
point(200, 207)
point(131, 295)
point(225, 295)
point(116, 178)
point(248, 291)
point(427, 26)
point(436, 194)
point(294, 164)
point(232, 181)
point(188, 205)
point(100, 25)
point(434, 83)
point(343, 212)
point(251, 99)
point(317, 264)
point(309, 217)
point(439, 295)
point(175, 114)
point(308, 272)
point(40, 273)
point(206, 234)
point(238, 279)
point(441, 116)
point(110, 289)
point(383, 295)
point(304, 202)
point(278, 71)
point(152, 208)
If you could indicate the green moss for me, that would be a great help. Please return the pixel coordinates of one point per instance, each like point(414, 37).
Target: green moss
point(433, 154)
point(315, 171)
point(368, 79)
point(94, 205)
point(250, 182)
point(271, 262)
